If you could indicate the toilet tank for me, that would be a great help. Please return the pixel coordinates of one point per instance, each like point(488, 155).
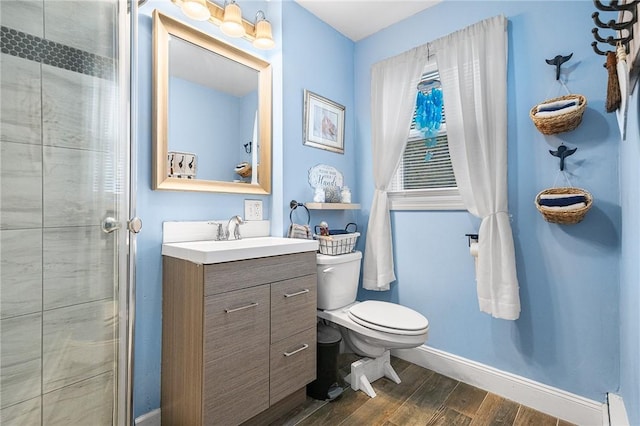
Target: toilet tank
point(337, 279)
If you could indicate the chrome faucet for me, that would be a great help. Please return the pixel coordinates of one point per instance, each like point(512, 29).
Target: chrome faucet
point(220, 234)
point(223, 233)
point(237, 221)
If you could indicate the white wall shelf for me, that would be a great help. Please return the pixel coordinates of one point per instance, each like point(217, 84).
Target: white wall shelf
point(332, 206)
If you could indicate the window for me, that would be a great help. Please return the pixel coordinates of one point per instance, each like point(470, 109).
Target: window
point(424, 179)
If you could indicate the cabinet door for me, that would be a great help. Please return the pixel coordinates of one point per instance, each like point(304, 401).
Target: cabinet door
point(293, 306)
point(293, 364)
point(236, 355)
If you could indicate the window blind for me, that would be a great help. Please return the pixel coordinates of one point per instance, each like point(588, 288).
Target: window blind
point(416, 173)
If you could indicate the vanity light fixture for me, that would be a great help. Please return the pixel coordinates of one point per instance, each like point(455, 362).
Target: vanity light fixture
point(229, 18)
point(232, 22)
point(264, 38)
point(196, 9)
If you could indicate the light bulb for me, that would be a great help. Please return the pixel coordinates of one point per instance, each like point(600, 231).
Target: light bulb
point(264, 38)
point(232, 23)
point(196, 9)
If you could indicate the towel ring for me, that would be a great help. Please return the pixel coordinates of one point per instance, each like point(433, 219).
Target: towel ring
point(294, 205)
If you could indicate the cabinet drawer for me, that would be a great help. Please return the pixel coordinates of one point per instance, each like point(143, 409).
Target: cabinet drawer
point(236, 320)
point(293, 364)
point(223, 277)
point(293, 306)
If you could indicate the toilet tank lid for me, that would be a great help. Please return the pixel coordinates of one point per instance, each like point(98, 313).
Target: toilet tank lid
point(325, 259)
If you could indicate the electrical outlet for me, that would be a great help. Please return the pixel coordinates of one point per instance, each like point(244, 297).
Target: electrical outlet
point(252, 209)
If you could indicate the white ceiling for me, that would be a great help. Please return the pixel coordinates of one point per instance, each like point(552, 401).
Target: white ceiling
point(358, 19)
point(208, 69)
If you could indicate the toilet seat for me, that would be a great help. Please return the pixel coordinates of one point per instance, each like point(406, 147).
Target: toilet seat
point(388, 318)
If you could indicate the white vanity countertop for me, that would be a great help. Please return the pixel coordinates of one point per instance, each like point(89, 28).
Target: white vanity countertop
point(205, 252)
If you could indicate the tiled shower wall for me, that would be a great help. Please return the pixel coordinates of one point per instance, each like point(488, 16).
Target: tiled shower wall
point(58, 130)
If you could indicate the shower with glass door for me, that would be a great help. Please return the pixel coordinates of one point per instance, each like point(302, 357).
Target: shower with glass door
point(65, 200)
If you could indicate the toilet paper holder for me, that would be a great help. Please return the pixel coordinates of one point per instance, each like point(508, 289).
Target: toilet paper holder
point(470, 237)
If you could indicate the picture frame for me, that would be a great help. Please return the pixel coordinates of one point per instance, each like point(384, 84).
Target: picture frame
point(323, 123)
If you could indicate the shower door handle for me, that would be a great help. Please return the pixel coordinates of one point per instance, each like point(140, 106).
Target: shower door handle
point(109, 224)
point(134, 225)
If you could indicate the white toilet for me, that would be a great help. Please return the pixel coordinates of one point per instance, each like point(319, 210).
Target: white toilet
point(370, 328)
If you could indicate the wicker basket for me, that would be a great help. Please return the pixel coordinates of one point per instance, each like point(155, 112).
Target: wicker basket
point(334, 245)
point(243, 169)
point(564, 217)
point(562, 122)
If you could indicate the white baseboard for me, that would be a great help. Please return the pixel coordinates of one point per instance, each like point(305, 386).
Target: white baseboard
point(617, 410)
point(152, 418)
point(555, 402)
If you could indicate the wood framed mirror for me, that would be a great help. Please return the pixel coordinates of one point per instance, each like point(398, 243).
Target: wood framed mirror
point(211, 113)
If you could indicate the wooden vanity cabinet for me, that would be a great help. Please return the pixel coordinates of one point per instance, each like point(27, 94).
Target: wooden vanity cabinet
point(237, 337)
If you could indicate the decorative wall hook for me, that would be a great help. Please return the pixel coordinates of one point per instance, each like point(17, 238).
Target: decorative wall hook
point(562, 152)
point(612, 24)
point(614, 6)
point(627, 15)
point(247, 147)
point(558, 61)
point(594, 44)
point(611, 40)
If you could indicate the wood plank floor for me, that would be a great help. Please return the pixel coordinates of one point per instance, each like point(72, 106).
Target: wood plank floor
point(423, 398)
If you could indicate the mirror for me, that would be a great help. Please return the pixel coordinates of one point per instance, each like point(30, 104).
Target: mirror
point(211, 113)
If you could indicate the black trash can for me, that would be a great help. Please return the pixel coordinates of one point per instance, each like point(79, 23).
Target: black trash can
point(326, 386)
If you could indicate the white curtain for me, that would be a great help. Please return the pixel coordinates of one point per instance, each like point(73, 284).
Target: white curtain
point(393, 97)
point(473, 69)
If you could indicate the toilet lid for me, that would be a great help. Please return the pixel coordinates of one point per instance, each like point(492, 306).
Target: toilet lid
point(388, 317)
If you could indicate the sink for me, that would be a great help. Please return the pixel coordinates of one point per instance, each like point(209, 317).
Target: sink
point(205, 252)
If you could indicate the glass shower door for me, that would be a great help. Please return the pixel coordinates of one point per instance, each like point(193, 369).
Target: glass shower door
point(63, 170)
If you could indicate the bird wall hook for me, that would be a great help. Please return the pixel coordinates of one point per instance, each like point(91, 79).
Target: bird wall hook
point(558, 61)
point(562, 152)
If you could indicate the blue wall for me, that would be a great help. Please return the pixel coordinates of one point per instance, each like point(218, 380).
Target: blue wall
point(192, 105)
point(319, 59)
point(567, 335)
point(155, 207)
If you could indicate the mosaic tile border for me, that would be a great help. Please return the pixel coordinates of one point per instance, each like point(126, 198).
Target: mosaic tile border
point(27, 46)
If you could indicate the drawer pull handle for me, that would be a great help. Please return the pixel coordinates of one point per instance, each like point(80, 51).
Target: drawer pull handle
point(297, 293)
point(241, 308)
point(305, 346)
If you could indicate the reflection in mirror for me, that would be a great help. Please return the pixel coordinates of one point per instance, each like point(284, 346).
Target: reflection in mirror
point(212, 112)
point(221, 94)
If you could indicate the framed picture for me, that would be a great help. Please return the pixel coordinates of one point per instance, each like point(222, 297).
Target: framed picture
point(323, 123)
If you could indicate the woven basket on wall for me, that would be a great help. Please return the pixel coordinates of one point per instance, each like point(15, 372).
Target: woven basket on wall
point(243, 169)
point(564, 217)
point(562, 122)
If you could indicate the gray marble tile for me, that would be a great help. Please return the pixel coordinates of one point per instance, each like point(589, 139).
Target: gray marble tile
point(79, 111)
point(20, 358)
point(85, 25)
point(78, 188)
point(26, 413)
point(23, 15)
point(77, 343)
point(78, 265)
point(20, 185)
point(20, 272)
point(20, 116)
point(74, 405)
